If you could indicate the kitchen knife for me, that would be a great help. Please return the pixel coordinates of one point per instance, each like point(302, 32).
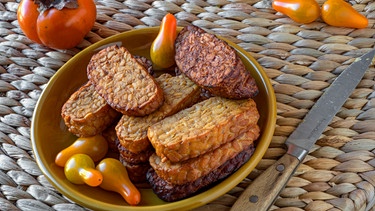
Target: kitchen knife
point(263, 191)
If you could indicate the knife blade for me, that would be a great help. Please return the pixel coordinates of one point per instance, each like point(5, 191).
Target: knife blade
point(263, 191)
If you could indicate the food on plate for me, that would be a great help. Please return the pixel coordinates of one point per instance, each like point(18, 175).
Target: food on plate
point(123, 82)
point(80, 169)
point(341, 13)
point(134, 146)
point(115, 178)
point(110, 135)
point(87, 114)
point(213, 64)
point(178, 134)
point(145, 63)
point(190, 170)
point(56, 24)
point(169, 192)
point(137, 164)
point(137, 173)
point(179, 92)
point(301, 11)
point(135, 158)
point(162, 48)
point(201, 145)
point(95, 146)
point(202, 127)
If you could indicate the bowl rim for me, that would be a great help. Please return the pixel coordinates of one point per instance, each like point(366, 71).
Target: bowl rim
point(191, 202)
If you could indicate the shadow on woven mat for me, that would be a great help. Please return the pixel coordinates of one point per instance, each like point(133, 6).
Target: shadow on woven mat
point(300, 60)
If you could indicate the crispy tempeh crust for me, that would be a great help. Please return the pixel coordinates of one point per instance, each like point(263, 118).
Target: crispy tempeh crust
point(110, 135)
point(136, 172)
point(213, 64)
point(170, 192)
point(179, 92)
point(85, 113)
point(135, 158)
point(194, 168)
point(124, 82)
point(202, 127)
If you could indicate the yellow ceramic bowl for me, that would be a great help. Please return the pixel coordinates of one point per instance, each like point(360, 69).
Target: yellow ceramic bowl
point(49, 134)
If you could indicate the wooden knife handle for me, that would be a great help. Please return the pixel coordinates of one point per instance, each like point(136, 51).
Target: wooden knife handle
point(262, 192)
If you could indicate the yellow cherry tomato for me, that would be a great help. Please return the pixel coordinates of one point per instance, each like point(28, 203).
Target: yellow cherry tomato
point(80, 169)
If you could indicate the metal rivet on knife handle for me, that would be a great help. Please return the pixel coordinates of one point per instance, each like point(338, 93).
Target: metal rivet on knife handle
point(280, 167)
point(253, 199)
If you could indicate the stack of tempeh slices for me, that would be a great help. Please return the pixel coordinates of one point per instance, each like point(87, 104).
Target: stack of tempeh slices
point(166, 133)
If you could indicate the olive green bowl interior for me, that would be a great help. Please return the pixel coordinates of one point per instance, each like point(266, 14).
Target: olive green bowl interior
point(49, 134)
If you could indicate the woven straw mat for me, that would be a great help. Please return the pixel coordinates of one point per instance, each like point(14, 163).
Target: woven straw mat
point(300, 60)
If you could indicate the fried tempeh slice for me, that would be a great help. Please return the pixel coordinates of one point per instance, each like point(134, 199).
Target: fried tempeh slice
point(137, 164)
point(179, 92)
point(110, 135)
point(86, 113)
point(192, 169)
point(136, 172)
point(170, 192)
point(124, 82)
point(202, 127)
point(213, 64)
point(146, 63)
point(135, 158)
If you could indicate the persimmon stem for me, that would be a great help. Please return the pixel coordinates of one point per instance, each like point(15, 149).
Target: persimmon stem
point(44, 5)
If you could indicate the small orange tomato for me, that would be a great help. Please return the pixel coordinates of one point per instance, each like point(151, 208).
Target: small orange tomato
point(61, 28)
point(96, 147)
point(301, 11)
point(341, 13)
point(162, 49)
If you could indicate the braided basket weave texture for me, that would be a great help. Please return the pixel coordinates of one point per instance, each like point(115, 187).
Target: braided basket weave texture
point(301, 60)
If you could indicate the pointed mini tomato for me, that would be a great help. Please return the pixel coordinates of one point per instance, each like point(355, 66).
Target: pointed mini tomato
point(95, 146)
point(162, 49)
point(341, 13)
point(115, 178)
point(301, 11)
point(61, 25)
